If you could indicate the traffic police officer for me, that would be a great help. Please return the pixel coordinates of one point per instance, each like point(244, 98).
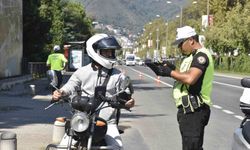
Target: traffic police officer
point(192, 88)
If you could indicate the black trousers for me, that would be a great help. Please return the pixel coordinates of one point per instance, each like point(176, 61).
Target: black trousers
point(192, 127)
point(59, 78)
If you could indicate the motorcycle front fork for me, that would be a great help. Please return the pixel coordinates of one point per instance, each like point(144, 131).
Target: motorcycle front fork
point(91, 133)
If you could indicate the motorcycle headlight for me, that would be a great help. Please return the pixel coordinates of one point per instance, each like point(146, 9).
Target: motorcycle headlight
point(79, 122)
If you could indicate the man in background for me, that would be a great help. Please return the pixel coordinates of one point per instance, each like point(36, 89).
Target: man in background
point(56, 63)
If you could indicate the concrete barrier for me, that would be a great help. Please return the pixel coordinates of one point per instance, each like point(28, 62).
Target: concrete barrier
point(8, 141)
point(7, 84)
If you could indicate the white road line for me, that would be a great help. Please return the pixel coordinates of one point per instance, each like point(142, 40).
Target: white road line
point(151, 77)
point(228, 112)
point(228, 76)
point(239, 117)
point(235, 86)
point(215, 106)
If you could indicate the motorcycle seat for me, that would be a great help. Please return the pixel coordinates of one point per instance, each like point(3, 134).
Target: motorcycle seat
point(246, 131)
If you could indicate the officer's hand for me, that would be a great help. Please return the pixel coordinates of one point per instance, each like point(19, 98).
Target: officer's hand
point(160, 69)
point(130, 103)
point(154, 67)
point(166, 71)
point(170, 65)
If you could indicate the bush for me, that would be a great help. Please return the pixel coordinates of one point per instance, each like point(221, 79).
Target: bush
point(238, 64)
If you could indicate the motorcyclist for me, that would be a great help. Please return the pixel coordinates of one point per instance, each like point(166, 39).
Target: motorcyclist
point(101, 49)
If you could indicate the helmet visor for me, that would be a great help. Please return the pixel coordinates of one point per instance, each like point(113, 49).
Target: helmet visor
point(107, 43)
point(108, 53)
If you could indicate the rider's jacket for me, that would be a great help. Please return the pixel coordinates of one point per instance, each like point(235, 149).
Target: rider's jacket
point(86, 79)
point(201, 59)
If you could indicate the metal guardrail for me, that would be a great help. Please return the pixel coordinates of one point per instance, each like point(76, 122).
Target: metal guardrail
point(37, 69)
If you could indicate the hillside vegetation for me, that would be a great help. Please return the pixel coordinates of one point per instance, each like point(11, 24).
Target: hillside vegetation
point(131, 14)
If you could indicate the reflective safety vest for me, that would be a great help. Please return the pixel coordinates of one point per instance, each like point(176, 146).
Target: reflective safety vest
point(56, 61)
point(180, 89)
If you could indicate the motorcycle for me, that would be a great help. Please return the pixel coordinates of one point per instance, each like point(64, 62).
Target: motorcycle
point(241, 138)
point(85, 130)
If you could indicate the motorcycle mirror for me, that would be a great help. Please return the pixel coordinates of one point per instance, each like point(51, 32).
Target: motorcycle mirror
point(245, 82)
point(53, 84)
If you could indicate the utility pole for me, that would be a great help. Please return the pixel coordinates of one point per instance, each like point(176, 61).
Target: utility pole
point(181, 12)
point(181, 15)
point(166, 36)
point(157, 44)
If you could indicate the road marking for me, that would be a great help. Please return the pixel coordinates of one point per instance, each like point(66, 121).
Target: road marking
point(239, 117)
point(235, 86)
point(215, 106)
point(220, 75)
point(228, 112)
point(151, 77)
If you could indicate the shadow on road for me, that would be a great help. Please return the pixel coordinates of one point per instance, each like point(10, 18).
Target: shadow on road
point(20, 110)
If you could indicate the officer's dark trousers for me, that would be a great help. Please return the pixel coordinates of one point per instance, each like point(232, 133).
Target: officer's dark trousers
point(59, 78)
point(192, 127)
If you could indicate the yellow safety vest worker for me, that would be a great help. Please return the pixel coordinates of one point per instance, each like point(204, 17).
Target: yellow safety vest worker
point(180, 89)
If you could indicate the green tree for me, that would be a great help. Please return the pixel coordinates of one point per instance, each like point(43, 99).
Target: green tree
point(232, 32)
point(35, 30)
point(51, 11)
point(50, 22)
point(77, 25)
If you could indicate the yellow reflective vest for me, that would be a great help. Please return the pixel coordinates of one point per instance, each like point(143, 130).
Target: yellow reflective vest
point(180, 89)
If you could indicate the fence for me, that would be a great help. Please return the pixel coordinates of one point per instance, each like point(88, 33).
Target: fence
point(37, 69)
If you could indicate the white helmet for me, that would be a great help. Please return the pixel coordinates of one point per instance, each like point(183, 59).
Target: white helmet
point(100, 42)
point(56, 48)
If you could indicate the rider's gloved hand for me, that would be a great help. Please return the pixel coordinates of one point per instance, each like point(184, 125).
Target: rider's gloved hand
point(57, 94)
point(130, 103)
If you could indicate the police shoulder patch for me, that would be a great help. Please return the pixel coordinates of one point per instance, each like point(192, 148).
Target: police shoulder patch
point(201, 60)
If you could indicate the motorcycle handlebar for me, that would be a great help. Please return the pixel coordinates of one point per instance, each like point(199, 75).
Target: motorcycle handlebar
point(114, 104)
point(60, 101)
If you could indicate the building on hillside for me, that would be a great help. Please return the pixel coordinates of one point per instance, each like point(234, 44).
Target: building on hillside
point(11, 37)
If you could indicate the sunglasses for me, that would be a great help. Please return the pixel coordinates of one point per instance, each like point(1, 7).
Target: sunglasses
point(180, 45)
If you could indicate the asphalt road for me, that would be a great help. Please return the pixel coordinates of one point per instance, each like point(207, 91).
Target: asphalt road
point(151, 125)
